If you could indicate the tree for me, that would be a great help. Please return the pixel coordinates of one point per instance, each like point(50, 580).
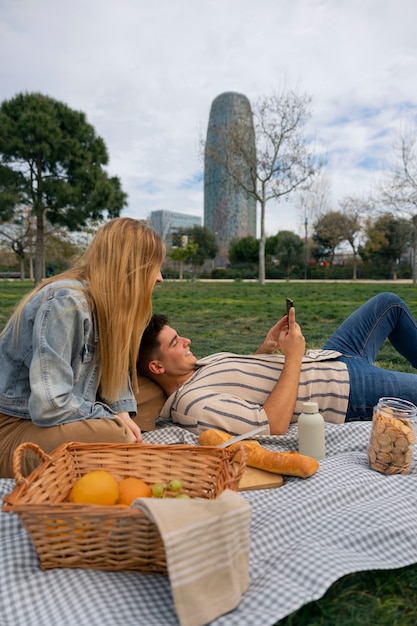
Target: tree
point(184, 252)
point(52, 160)
point(60, 246)
point(329, 233)
point(399, 188)
point(314, 203)
point(9, 195)
point(19, 234)
point(206, 245)
point(244, 250)
point(285, 160)
point(61, 249)
point(289, 251)
point(387, 239)
point(352, 208)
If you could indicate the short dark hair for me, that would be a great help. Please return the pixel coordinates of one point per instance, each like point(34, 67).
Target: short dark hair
point(150, 344)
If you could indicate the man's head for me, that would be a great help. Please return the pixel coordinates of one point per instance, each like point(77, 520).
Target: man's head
point(163, 354)
point(149, 345)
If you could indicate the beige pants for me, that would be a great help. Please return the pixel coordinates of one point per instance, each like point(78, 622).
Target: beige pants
point(14, 431)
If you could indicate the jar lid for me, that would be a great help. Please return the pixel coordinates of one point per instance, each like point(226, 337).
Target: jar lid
point(310, 407)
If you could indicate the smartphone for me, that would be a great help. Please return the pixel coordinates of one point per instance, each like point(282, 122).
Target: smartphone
point(289, 303)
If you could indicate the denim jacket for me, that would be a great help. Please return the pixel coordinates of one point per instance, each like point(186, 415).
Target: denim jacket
point(48, 370)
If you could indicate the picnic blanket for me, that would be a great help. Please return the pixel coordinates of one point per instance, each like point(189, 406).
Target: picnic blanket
point(303, 537)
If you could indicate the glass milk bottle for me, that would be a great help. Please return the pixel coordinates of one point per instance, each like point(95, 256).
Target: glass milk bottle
point(311, 436)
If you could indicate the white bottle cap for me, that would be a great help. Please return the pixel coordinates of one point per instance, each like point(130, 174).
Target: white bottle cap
point(310, 407)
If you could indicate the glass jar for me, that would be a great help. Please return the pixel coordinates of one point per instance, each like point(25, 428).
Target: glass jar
point(392, 435)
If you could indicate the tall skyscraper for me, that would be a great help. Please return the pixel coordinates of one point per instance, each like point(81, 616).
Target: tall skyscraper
point(229, 210)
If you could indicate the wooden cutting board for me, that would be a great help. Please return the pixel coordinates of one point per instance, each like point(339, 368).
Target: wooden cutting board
point(254, 478)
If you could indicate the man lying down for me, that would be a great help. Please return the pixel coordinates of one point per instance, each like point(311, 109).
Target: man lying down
point(237, 393)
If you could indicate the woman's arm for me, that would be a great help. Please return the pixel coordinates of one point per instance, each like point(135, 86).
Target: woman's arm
point(63, 369)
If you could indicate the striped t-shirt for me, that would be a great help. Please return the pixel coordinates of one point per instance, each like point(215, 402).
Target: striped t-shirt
point(228, 390)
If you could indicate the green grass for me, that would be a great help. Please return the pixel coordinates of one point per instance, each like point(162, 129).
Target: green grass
point(10, 294)
point(375, 598)
point(235, 317)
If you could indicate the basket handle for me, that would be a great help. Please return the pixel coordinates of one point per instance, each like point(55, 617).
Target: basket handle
point(239, 449)
point(17, 459)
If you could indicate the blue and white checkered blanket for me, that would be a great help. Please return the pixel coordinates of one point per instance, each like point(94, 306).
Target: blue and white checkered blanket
point(304, 536)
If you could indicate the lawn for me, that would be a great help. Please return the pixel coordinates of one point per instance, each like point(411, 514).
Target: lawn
point(235, 317)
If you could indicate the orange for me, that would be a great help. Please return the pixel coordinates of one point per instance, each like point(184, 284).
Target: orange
point(96, 487)
point(131, 488)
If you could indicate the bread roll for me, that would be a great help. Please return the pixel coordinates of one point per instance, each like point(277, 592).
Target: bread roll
point(286, 463)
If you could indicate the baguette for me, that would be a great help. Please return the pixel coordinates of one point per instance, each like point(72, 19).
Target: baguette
point(287, 463)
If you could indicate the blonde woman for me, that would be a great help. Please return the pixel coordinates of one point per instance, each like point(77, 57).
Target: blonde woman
point(68, 353)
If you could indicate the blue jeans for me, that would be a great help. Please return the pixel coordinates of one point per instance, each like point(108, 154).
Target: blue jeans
point(360, 338)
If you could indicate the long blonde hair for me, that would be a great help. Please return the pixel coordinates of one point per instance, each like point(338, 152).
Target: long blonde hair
point(120, 268)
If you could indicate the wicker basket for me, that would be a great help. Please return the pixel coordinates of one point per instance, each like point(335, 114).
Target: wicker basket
point(110, 537)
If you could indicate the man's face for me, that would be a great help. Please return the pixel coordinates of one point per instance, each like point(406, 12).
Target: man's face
point(174, 352)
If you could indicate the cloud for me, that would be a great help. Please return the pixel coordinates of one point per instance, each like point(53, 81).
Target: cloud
point(146, 74)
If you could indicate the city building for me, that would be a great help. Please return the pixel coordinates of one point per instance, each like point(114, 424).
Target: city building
point(168, 223)
point(229, 210)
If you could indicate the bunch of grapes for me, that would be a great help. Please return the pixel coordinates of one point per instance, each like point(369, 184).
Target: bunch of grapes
point(161, 490)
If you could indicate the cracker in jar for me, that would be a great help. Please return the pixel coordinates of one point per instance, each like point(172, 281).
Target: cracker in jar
point(383, 457)
point(401, 443)
point(384, 440)
point(411, 436)
point(379, 425)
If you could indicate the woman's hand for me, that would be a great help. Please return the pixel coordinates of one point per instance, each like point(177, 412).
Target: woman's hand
point(131, 426)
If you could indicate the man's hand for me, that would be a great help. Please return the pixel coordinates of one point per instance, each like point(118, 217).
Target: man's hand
point(134, 429)
point(271, 342)
point(291, 339)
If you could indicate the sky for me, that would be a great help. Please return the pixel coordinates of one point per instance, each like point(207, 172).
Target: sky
point(146, 72)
